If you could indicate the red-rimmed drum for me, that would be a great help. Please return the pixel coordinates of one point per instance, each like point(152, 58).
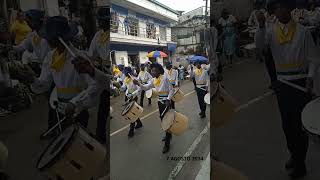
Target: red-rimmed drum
point(175, 123)
point(74, 154)
point(178, 95)
point(132, 112)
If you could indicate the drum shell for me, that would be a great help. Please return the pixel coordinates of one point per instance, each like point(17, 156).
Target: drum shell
point(82, 159)
point(178, 96)
point(151, 93)
point(224, 108)
point(133, 113)
point(175, 123)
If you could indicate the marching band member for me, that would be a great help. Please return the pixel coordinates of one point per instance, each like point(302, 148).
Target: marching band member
point(165, 90)
point(103, 80)
point(144, 77)
point(313, 15)
point(73, 89)
point(299, 14)
point(202, 84)
point(20, 28)
point(295, 57)
point(132, 92)
point(33, 42)
point(99, 44)
point(173, 76)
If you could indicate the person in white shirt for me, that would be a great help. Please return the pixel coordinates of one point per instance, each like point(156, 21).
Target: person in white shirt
point(296, 60)
point(33, 42)
point(300, 13)
point(228, 24)
point(202, 86)
point(253, 21)
point(99, 45)
point(190, 69)
point(165, 90)
point(313, 14)
point(75, 92)
point(144, 77)
point(132, 91)
point(173, 76)
point(181, 72)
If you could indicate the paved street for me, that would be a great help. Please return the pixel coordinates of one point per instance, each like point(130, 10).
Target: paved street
point(141, 157)
point(254, 142)
point(21, 133)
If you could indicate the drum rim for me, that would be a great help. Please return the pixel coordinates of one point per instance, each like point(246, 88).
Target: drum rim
point(166, 114)
point(63, 149)
point(127, 110)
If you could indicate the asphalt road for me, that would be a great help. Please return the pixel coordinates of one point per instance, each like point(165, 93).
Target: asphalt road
point(141, 158)
point(254, 142)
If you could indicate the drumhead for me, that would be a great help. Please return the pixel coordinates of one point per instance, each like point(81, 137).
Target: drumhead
point(127, 109)
point(207, 98)
point(56, 147)
point(168, 119)
point(149, 93)
point(310, 116)
point(53, 98)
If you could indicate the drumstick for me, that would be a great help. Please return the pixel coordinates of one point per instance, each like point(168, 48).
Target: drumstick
point(294, 85)
point(67, 47)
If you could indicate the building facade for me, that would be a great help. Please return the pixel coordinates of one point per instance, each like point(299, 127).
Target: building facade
point(190, 31)
point(139, 27)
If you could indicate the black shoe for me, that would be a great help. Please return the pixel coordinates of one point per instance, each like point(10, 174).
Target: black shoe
point(131, 133)
point(289, 164)
point(203, 115)
point(298, 173)
point(166, 148)
point(200, 113)
point(139, 124)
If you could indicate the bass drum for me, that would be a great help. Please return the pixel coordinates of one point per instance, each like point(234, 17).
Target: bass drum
point(175, 123)
point(74, 154)
point(310, 117)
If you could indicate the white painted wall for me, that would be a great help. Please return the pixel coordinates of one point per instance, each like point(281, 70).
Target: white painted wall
point(143, 57)
point(103, 2)
point(122, 57)
point(52, 7)
point(168, 36)
point(151, 6)
point(30, 4)
point(142, 28)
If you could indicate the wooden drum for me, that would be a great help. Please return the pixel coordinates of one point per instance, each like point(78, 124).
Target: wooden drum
point(175, 123)
point(132, 112)
point(178, 95)
point(207, 98)
point(72, 155)
point(310, 117)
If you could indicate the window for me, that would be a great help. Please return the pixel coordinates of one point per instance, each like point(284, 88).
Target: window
point(131, 25)
point(114, 24)
point(151, 31)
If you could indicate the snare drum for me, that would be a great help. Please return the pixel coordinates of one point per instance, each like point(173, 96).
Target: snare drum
point(73, 155)
point(310, 117)
point(175, 123)
point(132, 112)
point(178, 95)
point(151, 93)
point(207, 98)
